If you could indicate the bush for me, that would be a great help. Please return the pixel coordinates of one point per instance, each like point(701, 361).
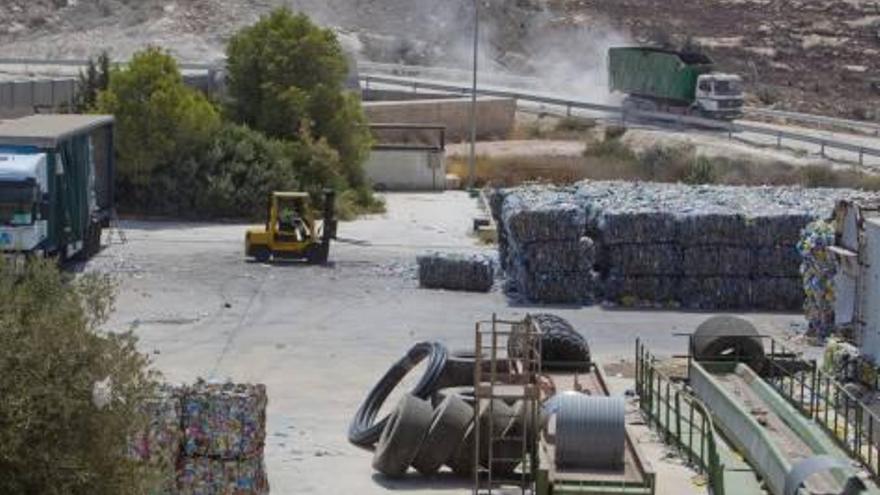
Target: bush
point(286, 79)
point(666, 163)
point(701, 171)
point(161, 125)
point(614, 132)
point(238, 171)
point(92, 82)
point(575, 124)
point(71, 394)
point(819, 176)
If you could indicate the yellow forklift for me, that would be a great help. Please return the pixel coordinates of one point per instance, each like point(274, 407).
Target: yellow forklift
point(293, 232)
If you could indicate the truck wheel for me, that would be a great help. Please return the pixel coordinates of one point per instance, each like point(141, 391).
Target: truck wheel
point(262, 254)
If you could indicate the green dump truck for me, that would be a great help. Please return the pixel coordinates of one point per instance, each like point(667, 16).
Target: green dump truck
point(657, 80)
point(56, 185)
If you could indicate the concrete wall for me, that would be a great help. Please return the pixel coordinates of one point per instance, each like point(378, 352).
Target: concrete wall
point(406, 170)
point(20, 98)
point(495, 116)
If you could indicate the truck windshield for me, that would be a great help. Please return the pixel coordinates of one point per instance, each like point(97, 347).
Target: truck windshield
point(728, 87)
point(13, 214)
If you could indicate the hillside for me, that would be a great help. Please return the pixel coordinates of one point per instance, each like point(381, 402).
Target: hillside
point(806, 55)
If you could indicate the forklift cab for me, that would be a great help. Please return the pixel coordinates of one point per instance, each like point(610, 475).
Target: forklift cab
point(292, 218)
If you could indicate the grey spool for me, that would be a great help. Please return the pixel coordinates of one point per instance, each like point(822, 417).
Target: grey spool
point(448, 429)
point(590, 432)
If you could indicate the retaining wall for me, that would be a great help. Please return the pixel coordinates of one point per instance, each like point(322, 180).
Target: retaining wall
point(495, 116)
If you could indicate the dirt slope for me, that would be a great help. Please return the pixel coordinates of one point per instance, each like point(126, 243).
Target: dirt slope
point(808, 55)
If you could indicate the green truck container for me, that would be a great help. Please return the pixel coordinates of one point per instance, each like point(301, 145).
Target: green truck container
point(56, 184)
point(658, 80)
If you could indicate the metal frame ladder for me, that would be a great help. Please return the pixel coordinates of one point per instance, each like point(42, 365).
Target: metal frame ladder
point(498, 376)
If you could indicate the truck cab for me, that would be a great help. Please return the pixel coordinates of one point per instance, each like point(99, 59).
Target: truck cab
point(719, 96)
point(24, 184)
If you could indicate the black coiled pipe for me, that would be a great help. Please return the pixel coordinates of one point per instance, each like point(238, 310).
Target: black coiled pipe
point(364, 430)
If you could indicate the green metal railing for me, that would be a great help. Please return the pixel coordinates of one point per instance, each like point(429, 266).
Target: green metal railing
point(819, 396)
point(682, 419)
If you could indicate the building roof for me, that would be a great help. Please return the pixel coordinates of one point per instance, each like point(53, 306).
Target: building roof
point(46, 131)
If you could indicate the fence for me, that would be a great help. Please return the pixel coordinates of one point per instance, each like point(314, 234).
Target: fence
point(852, 424)
point(27, 97)
point(682, 419)
point(568, 106)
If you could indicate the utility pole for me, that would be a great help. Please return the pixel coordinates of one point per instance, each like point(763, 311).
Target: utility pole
point(472, 159)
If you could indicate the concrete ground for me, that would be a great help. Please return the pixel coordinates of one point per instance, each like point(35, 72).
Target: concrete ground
point(320, 337)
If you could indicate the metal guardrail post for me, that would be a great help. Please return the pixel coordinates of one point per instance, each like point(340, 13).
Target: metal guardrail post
point(822, 151)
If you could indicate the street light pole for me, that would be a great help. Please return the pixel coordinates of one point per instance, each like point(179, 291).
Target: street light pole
point(472, 159)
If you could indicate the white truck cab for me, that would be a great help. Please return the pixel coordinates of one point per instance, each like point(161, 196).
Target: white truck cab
point(24, 183)
point(720, 95)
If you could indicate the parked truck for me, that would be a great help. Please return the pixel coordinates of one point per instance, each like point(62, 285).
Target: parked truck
point(56, 185)
point(657, 80)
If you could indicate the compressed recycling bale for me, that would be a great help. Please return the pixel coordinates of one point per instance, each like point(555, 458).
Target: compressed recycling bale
point(553, 287)
point(776, 261)
point(643, 259)
point(224, 421)
point(159, 443)
point(720, 227)
point(548, 217)
point(642, 290)
point(715, 292)
point(777, 293)
point(204, 476)
point(717, 261)
point(636, 227)
point(456, 272)
point(782, 228)
point(559, 256)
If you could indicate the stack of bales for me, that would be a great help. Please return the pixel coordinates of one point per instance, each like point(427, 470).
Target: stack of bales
point(546, 253)
point(698, 247)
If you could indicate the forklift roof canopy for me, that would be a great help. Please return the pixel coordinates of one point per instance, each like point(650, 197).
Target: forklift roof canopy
point(46, 131)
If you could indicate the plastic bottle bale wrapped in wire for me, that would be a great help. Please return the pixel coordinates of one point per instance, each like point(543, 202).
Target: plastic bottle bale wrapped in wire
point(638, 291)
point(158, 444)
point(465, 272)
point(224, 421)
point(777, 293)
point(559, 256)
point(590, 432)
point(776, 261)
point(717, 261)
point(643, 259)
point(543, 215)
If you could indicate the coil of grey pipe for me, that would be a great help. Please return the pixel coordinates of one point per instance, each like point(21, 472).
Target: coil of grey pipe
point(590, 432)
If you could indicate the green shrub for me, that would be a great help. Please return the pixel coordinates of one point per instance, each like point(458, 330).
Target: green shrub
point(819, 176)
point(666, 163)
point(161, 125)
point(71, 394)
point(701, 171)
point(614, 132)
point(611, 148)
point(354, 202)
point(575, 124)
point(286, 73)
point(238, 171)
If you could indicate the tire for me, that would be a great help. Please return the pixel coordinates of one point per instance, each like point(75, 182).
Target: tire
point(262, 254)
point(462, 461)
point(402, 437)
point(450, 424)
point(562, 347)
point(726, 338)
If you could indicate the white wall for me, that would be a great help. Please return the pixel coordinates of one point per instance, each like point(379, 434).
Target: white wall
point(406, 170)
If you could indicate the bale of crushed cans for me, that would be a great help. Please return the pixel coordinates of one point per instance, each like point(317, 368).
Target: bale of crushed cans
point(206, 439)
point(209, 476)
point(701, 247)
point(451, 271)
point(224, 421)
